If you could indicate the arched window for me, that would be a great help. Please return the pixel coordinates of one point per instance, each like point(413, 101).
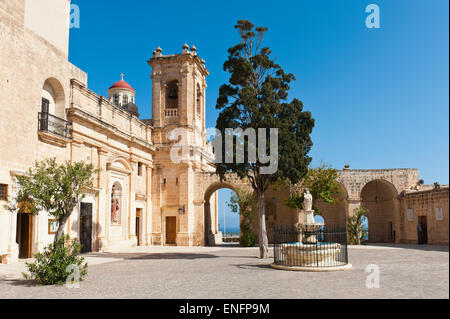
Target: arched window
point(48, 99)
point(52, 98)
point(199, 100)
point(172, 95)
point(116, 99)
point(125, 100)
point(116, 203)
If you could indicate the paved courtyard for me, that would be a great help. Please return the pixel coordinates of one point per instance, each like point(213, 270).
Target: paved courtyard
point(227, 272)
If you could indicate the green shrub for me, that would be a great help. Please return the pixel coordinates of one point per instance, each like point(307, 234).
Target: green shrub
point(242, 203)
point(356, 232)
point(247, 237)
point(50, 267)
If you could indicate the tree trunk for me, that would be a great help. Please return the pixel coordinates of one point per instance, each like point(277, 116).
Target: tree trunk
point(62, 225)
point(263, 241)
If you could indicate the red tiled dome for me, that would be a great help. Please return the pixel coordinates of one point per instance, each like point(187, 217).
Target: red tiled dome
point(122, 85)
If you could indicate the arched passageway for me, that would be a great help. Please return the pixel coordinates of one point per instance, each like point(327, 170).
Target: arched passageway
point(381, 199)
point(211, 214)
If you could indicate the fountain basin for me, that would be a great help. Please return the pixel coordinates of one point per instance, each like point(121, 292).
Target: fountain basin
point(311, 255)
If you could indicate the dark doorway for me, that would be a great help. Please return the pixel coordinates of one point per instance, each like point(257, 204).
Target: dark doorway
point(138, 225)
point(86, 227)
point(390, 232)
point(24, 234)
point(422, 230)
point(171, 230)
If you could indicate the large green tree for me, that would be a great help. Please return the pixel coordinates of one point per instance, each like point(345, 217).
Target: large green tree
point(255, 97)
point(52, 187)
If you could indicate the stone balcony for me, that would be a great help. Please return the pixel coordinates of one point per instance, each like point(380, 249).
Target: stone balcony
point(54, 130)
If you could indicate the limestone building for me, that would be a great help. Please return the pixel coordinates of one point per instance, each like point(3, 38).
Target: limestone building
point(141, 196)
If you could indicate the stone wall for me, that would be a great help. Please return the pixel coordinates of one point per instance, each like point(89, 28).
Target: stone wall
point(27, 61)
point(426, 203)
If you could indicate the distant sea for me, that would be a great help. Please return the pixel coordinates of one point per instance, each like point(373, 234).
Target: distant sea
point(236, 232)
point(230, 231)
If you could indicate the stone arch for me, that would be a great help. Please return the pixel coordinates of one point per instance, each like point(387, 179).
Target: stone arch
point(210, 230)
point(380, 197)
point(120, 164)
point(355, 179)
point(212, 183)
point(335, 214)
point(53, 92)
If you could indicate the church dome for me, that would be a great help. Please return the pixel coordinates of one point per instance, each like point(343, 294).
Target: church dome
point(121, 85)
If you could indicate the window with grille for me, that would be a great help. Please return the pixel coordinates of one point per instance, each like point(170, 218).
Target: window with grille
point(45, 105)
point(3, 192)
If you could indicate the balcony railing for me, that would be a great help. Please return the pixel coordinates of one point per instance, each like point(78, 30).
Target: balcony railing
point(52, 124)
point(171, 112)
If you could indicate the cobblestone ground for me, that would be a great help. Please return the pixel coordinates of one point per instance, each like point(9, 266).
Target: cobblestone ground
point(192, 273)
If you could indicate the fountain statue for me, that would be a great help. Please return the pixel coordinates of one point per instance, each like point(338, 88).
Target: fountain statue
point(310, 227)
point(307, 202)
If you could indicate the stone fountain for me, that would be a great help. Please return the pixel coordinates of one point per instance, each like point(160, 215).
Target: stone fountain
point(309, 254)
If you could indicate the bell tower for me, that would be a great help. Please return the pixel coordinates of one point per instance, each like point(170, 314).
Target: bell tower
point(178, 107)
point(178, 93)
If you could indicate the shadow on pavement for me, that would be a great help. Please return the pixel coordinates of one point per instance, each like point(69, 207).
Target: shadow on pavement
point(252, 266)
point(154, 256)
point(443, 248)
point(18, 282)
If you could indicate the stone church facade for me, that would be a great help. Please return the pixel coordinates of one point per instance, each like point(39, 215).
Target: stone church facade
point(140, 195)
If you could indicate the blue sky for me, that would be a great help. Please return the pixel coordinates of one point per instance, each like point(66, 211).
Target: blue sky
point(379, 96)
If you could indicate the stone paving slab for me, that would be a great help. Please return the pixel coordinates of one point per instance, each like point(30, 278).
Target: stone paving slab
point(224, 273)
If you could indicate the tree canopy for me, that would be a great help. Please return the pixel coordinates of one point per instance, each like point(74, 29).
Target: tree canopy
point(322, 183)
point(255, 97)
point(53, 188)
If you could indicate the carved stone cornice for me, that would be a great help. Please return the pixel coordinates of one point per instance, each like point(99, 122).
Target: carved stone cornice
point(54, 139)
point(110, 130)
point(110, 167)
point(199, 202)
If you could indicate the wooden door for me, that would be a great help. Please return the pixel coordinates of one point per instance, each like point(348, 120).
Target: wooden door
point(138, 230)
point(86, 227)
point(24, 234)
point(138, 225)
point(171, 230)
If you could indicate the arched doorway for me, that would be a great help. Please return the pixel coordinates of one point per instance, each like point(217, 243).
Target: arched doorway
point(335, 214)
point(380, 198)
point(211, 213)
